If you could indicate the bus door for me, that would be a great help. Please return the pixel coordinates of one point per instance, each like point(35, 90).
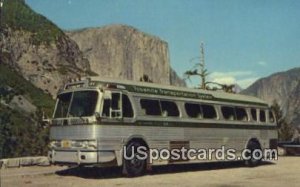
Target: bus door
point(117, 105)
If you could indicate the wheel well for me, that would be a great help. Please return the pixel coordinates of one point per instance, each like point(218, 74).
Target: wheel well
point(140, 140)
point(254, 140)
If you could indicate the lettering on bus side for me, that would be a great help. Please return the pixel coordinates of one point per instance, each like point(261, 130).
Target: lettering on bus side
point(173, 93)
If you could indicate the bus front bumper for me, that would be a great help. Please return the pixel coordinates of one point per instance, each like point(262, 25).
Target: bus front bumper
point(80, 157)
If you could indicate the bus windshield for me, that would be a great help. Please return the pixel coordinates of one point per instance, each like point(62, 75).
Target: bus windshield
point(76, 104)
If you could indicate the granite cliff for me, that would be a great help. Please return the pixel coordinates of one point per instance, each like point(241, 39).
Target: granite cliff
point(124, 52)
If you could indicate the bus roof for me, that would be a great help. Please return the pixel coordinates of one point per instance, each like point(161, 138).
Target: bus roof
point(173, 91)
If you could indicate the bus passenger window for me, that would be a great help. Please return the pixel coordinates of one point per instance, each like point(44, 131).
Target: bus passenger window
point(241, 114)
point(193, 110)
point(169, 108)
point(150, 107)
point(209, 112)
point(262, 116)
point(253, 114)
point(228, 113)
point(126, 107)
point(271, 117)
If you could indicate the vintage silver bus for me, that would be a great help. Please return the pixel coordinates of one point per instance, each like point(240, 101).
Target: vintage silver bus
point(96, 120)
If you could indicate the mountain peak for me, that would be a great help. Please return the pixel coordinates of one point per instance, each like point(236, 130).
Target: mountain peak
point(113, 29)
point(284, 87)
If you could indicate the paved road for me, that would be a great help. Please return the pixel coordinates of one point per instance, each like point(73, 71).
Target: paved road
point(284, 172)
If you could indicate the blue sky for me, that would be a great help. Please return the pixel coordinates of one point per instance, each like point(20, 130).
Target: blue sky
point(244, 39)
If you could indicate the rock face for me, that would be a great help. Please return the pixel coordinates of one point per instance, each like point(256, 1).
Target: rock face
point(175, 79)
point(284, 87)
point(47, 66)
point(121, 51)
point(44, 55)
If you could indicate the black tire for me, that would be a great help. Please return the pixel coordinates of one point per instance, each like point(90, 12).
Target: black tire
point(252, 162)
point(134, 167)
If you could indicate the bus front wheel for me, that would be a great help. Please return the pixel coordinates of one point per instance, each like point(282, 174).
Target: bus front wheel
point(133, 165)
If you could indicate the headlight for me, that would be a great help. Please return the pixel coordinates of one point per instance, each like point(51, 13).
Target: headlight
point(86, 144)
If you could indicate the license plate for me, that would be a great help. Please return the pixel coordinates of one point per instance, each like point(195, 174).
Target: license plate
point(65, 143)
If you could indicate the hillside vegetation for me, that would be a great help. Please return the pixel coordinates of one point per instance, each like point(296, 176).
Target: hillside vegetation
point(20, 86)
point(19, 16)
point(21, 133)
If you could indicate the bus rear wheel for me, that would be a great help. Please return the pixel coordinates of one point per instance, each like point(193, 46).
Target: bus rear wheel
point(254, 160)
point(134, 166)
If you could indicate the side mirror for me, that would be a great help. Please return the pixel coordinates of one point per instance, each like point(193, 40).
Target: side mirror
point(46, 122)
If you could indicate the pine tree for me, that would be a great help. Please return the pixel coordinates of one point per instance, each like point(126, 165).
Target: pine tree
point(199, 69)
point(286, 130)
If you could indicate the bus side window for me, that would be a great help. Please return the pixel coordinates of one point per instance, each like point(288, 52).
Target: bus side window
point(253, 114)
point(150, 107)
point(209, 112)
point(262, 116)
point(241, 114)
point(228, 113)
point(193, 110)
point(169, 108)
point(126, 107)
